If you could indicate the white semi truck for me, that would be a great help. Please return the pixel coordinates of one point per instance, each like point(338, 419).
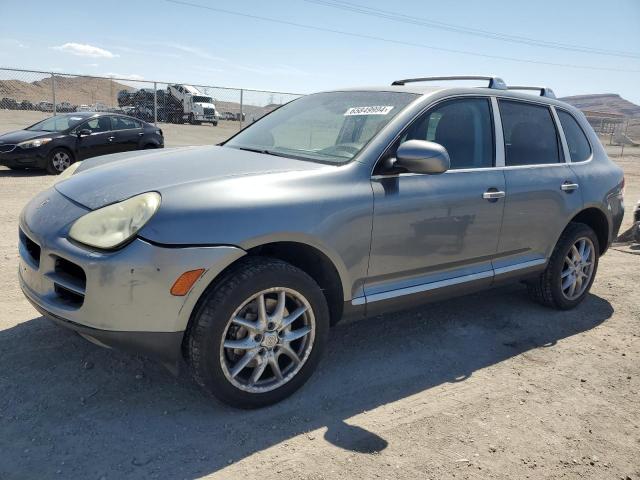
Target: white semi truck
point(197, 107)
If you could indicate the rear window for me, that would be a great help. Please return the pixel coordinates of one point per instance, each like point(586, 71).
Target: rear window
point(124, 123)
point(579, 147)
point(530, 136)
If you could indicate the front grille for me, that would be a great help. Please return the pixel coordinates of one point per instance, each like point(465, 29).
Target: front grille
point(209, 111)
point(32, 249)
point(69, 282)
point(7, 148)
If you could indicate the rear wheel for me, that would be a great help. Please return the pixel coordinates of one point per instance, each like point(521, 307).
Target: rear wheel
point(58, 161)
point(571, 269)
point(258, 335)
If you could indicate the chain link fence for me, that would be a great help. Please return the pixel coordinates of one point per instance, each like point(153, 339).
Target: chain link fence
point(616, 132)
point(184, 111)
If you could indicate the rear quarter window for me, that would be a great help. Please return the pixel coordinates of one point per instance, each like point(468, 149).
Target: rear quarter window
point(579, 147)
point(530, 136)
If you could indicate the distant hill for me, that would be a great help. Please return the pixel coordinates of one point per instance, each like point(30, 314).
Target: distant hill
point(604, 102)
point(76, 90)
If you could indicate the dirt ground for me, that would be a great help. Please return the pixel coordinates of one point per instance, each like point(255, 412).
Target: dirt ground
point(487, 386)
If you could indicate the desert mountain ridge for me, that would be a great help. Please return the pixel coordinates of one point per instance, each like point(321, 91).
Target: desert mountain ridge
point(605, 103)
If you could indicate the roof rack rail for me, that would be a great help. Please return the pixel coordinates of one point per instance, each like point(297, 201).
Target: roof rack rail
point(494, 82)
point(544, 91)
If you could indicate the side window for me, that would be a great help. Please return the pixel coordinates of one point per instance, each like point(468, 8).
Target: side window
point(579, 147)
point(124, 123)
point(463, 126)
point(530, 136)
point(96, 125)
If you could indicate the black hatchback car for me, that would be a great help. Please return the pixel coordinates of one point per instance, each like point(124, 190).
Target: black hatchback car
point(57, 142)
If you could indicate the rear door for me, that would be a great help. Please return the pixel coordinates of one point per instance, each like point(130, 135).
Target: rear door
point(99, 142)
point(542, 192)
point(434, 231)
point(128, 133)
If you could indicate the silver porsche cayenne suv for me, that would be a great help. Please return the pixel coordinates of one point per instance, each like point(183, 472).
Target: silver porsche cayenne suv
point(235, 259)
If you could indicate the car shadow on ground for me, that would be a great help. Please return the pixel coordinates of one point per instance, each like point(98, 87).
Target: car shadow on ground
point(72, 408)
point(27, 172)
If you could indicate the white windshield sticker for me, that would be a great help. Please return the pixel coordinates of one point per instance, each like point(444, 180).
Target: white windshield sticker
point(374, 110)
point(75, 118)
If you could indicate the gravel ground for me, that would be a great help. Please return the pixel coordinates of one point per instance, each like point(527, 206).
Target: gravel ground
point(487, 386)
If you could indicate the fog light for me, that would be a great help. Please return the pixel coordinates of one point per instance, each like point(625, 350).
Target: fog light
point(185, 281)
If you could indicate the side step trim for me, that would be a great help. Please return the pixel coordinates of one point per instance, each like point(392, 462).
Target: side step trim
point(519, 266)
point(425, 287)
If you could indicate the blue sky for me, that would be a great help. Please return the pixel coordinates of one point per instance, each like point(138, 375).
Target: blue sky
point(161, 40)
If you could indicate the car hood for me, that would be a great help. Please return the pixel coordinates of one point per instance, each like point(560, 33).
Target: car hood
point(111, 178)
point(22, 135)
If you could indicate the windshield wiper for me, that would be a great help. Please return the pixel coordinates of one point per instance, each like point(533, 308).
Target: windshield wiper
point(277, 154)
point(264, 151)
point(255, 150)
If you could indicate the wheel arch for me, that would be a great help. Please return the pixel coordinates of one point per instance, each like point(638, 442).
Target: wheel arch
point(310, 259)
point(598, 221)
point(314, 263)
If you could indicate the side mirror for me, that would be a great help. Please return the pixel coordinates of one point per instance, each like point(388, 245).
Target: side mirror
point(420, 156)
point(85, 132)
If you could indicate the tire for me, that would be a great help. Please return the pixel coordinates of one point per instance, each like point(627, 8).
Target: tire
point(214, 124)
point(635, 232)
point(548, 288)
point(211, 331)
point(192, 119)
point(59, 160)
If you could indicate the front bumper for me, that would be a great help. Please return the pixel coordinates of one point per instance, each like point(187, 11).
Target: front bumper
point(163, 346)
point(19, 157)
point(118, 298)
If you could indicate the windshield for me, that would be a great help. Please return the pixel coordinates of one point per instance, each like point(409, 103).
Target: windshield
point(326, 127)
point(201, 99)
point(58, 123)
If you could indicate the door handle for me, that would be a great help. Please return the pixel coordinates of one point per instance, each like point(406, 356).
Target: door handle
point(111, 139)
point(493, 194)
point(141, 134)
point(569, 187)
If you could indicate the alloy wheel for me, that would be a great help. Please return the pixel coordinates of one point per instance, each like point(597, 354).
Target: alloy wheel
point(267, 340)
point(578, 268)
point(61, 161)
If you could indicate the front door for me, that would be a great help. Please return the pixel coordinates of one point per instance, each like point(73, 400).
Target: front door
point(432, 231)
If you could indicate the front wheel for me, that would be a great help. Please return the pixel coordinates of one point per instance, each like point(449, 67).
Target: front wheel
point(258, 335)
point(570, 271)
point(58, 161)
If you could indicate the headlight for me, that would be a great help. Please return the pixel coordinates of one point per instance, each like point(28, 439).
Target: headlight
point(68, 172)
point(111, 226)
point(38, 142)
